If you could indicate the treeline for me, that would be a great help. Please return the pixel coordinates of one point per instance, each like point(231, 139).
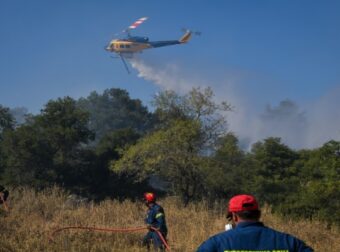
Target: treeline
point(109, 145)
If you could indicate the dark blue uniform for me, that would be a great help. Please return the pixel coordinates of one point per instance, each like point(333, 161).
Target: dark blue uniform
point(155, 218)
point(251, 237)
point(4, 192)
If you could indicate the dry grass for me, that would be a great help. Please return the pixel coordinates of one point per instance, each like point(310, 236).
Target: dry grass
point(34, 215)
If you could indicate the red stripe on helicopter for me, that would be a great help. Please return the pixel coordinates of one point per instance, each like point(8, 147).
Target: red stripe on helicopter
point(138, 22)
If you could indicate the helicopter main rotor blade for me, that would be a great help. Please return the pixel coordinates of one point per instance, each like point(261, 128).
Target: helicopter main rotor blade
point(137, 23)
point(133, 26)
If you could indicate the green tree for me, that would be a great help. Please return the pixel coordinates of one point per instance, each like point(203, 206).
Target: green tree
point(113, 144)
point(198, 105)
point(171, 154)
point(66, 128)
point(49, 147)
point(275, 175)
point(229, 170)
point(114, 109)
point(178, 150)
point(29, 158)
point(319, 183)
point(6, 124)
point(110, 148)
point(6, 120)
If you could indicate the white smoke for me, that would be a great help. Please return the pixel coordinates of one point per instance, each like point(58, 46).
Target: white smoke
point(324, 119)
point(308, 127)
point(166, 77)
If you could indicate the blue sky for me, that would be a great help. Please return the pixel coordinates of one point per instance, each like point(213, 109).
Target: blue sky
point(266, 51)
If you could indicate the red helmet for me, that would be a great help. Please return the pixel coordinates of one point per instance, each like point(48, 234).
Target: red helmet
point(149, 197)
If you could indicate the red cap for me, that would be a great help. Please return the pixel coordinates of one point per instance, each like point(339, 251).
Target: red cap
point(150, 197)
point(242, 202)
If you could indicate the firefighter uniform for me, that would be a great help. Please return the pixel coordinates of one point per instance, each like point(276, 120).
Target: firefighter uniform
point(252, 237)
point(4, 194)
point(155, 218)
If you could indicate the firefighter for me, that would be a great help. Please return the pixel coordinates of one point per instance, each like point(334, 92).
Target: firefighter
point(3, 195)
point(155, 219)
point(248, 233)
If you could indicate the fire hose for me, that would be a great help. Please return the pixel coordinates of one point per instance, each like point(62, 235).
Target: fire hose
point(113, 230)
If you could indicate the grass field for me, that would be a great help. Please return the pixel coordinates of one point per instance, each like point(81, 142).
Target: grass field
point(33, 216)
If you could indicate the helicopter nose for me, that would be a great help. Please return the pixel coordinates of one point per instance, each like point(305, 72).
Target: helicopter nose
point(108, 48)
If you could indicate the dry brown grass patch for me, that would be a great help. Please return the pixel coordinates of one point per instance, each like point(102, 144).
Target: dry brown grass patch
point(34, 215)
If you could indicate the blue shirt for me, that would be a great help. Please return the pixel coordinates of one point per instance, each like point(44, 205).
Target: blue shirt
point(251, 237)
point(156, 218)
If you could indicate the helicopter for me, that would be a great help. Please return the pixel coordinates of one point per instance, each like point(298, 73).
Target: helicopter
point(127, 47)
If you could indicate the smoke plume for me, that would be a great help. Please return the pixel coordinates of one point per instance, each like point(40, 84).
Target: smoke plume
point(308, 126)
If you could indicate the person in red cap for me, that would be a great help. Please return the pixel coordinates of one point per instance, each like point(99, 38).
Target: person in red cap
point(155, 219)
point(248, 233)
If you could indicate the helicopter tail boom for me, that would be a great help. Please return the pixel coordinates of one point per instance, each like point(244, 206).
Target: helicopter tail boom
point(184, 39)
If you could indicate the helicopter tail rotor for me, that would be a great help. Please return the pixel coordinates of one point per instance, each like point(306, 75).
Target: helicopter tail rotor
point(198, 33)
point(187, 36)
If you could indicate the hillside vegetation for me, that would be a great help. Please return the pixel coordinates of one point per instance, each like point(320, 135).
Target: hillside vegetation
point(34, 216)
point(109, 146)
